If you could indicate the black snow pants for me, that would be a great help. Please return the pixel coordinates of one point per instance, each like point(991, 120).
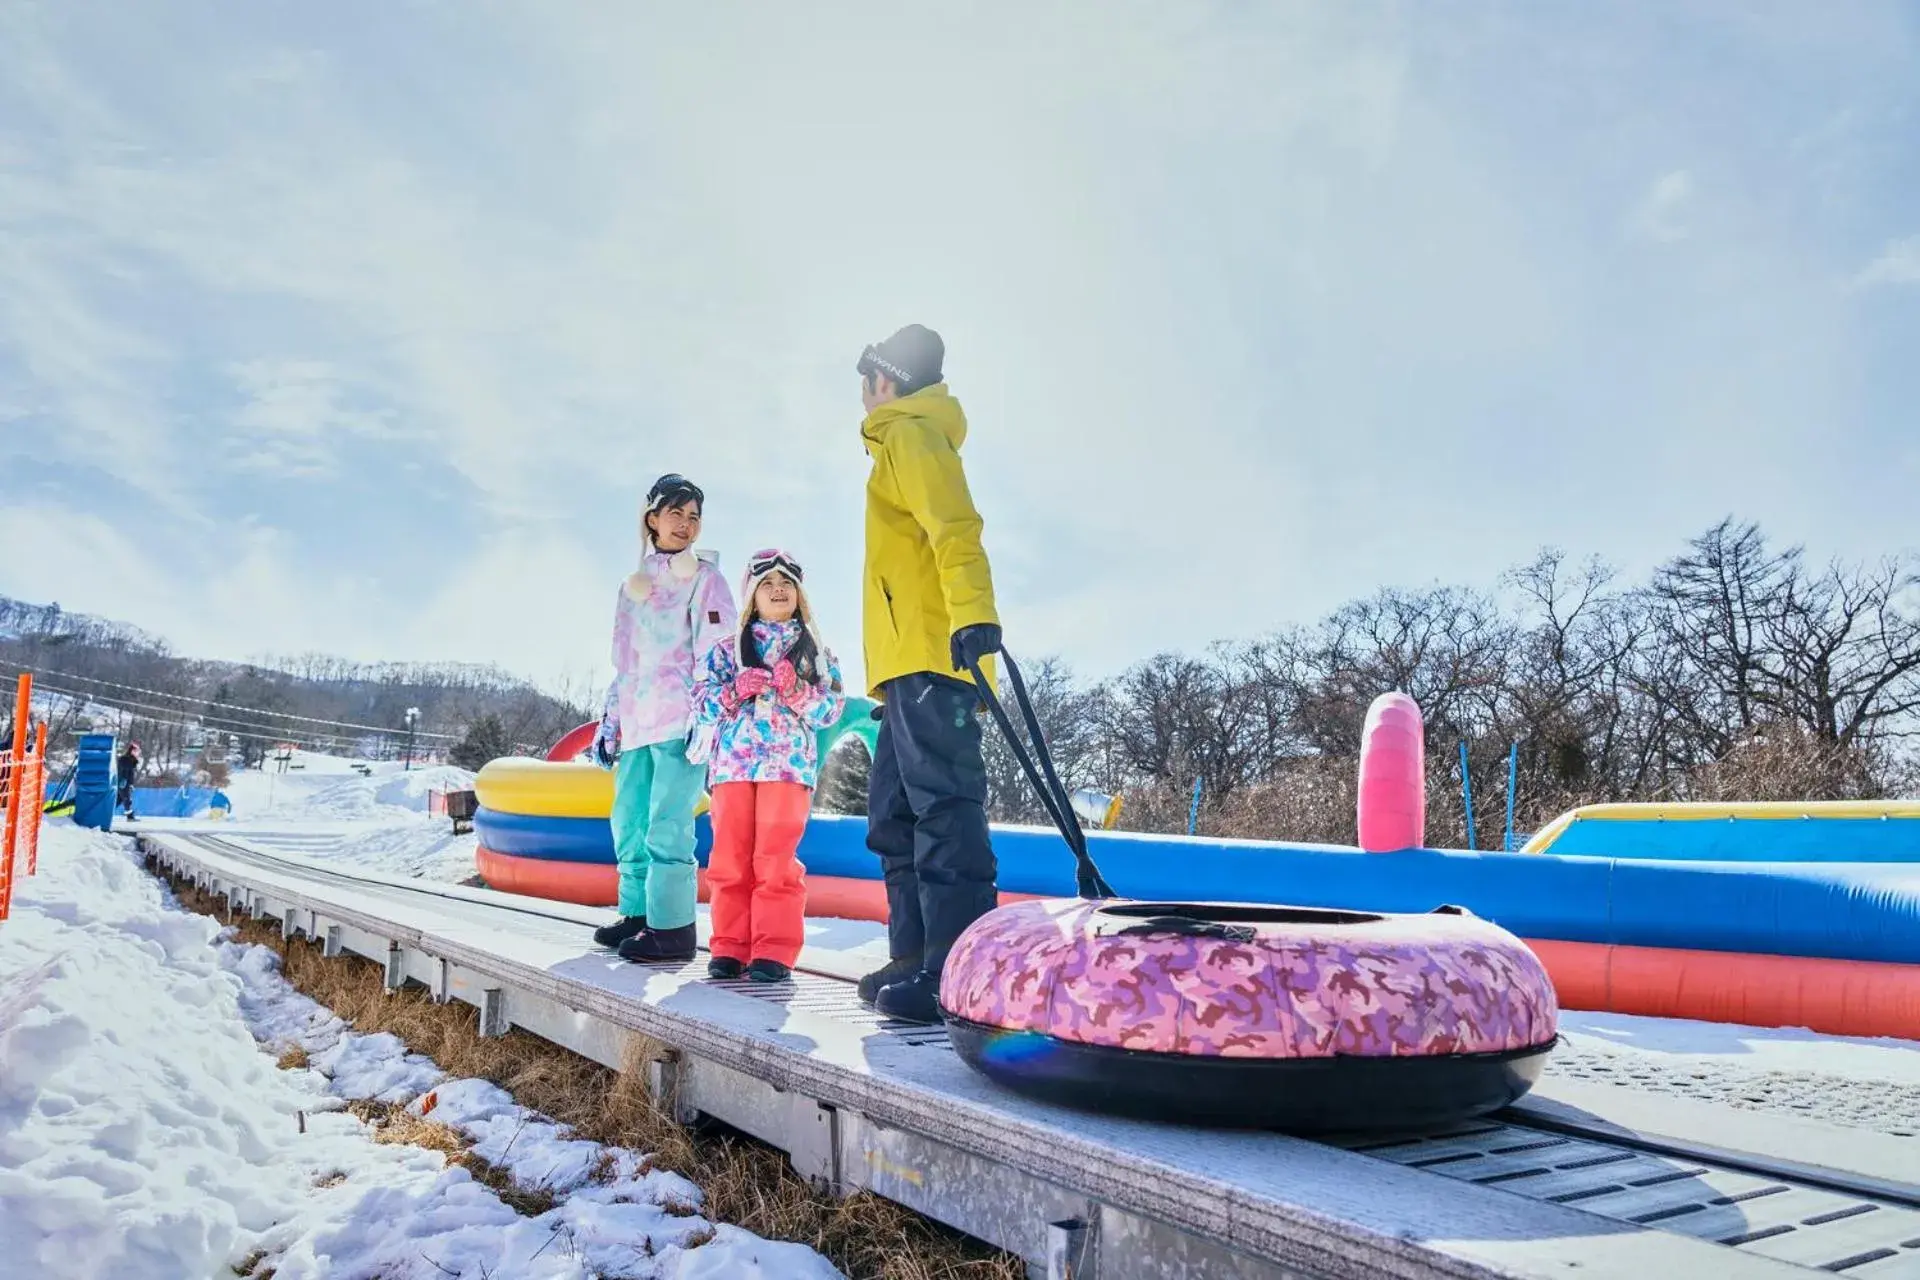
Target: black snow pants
point(927, 817)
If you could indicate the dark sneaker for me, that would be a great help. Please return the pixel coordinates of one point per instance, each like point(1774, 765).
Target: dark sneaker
point(768, 971)
point(904, 967)
point(723, 967)
point(612, 935)
point(658, 946)
point(915, 999)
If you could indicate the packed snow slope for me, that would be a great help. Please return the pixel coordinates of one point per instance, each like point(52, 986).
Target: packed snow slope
point(378, 820)
point(146, 1130)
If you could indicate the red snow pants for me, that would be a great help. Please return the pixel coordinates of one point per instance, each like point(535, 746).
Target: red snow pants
point(756, 886)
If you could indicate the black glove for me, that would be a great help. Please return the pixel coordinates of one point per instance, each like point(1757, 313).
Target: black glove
point(972, 644)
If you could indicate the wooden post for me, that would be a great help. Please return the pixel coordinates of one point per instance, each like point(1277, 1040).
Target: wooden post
point(17, 777)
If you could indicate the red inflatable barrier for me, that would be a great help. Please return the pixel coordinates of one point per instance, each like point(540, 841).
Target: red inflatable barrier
point(574, 742)
point(592, 884)
point(1837, 997)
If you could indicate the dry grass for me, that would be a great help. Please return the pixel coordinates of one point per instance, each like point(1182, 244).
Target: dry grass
point(1786, 762)
point(292, 1058)
point(745, 1182)
point(396, 1124)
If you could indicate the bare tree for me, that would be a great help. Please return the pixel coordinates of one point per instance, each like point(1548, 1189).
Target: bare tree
point(1065, 713)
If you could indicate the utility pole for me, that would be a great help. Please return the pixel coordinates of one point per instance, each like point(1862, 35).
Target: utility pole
point(413, 718)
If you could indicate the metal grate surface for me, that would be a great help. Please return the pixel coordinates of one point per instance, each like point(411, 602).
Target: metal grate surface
point(821, 996)
point(1824, 1230)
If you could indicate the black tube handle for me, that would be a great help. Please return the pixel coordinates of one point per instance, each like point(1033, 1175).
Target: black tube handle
point(1053, 796)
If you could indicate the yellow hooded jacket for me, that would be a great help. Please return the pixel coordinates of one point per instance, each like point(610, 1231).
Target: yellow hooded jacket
point(926, 573)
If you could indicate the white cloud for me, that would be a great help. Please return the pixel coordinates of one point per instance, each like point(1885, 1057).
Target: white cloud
point(1898, 263)
point(1661, 213)
point(1252, 309)
point(294, 421)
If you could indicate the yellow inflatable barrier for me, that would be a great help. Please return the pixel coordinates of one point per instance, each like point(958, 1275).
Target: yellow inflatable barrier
point(545, 788)
point(1626, 812)
point(549, 789)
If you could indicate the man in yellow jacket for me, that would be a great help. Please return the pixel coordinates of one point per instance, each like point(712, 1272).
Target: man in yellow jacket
point(929, 619)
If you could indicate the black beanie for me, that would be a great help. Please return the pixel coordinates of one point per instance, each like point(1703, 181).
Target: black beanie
point(911, 358)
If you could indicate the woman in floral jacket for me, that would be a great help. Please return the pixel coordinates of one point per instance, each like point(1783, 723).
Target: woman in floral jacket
point(766, 695)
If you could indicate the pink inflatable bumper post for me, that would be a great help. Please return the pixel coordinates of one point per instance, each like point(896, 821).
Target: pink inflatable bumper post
point(1393, 783)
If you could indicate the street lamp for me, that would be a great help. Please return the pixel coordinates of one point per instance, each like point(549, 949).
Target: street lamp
point(413, 718)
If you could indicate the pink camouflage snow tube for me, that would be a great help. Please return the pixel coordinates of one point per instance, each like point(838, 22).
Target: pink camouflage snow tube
point(1162, 1007)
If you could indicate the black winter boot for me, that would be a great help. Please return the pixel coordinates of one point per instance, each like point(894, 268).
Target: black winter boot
point(723, 967)
point(896, 969)
point(612, 935)
point(768, 971)
point(916, 999)
point(658, 946)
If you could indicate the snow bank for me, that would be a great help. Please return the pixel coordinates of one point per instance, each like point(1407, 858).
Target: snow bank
point(144, 1132)
point(381, 821)
point(387, 793)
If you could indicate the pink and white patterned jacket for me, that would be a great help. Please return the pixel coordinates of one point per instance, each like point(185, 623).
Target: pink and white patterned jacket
point(773, 738)
point(666, 618)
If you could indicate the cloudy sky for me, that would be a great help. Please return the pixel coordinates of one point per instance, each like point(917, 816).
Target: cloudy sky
point(363, 327)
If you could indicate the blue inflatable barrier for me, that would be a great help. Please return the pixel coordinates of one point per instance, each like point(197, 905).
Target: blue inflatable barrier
point(1841, 911)
point(176, 802)
point(565, 839)
point(1838, 911)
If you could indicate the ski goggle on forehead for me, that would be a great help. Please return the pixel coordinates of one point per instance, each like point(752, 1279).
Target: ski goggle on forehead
point(672, 491)
point(767, 561)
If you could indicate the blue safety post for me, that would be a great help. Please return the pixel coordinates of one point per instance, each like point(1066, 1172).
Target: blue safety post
point(93, 782)
point(1193, 810)
point(1513, 777)
point(1466, 792)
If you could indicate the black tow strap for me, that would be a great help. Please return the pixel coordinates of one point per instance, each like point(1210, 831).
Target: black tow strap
point(1053, 796)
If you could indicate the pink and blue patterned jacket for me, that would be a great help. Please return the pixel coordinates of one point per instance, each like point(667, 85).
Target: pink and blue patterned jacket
point(772, 738)
point(665, 620)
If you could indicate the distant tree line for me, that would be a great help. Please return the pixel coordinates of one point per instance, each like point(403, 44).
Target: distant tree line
point(114, 676)
point(1739, 670)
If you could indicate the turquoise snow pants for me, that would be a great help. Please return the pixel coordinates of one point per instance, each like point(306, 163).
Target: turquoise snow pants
point(654, 791)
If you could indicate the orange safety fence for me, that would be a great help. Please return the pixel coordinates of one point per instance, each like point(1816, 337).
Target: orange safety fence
point(34, 789)
point(23, 771)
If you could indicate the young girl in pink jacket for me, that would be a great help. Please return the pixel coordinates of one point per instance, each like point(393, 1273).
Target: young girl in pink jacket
point(767, 693)
point(666, 617)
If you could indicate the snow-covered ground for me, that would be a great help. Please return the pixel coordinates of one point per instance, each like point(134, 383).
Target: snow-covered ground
point(146, 1130)
point(1686, 1044)
point(379, 820)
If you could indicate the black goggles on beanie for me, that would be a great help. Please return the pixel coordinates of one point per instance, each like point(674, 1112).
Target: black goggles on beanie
point(673, 490)
point(767, 562)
